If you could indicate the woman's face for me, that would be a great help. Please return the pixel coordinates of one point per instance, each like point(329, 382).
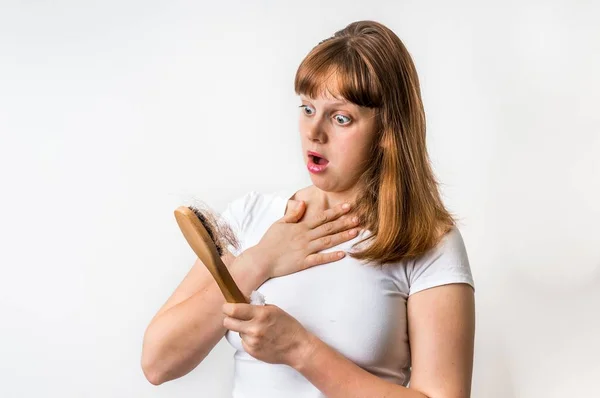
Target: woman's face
point(341, 133)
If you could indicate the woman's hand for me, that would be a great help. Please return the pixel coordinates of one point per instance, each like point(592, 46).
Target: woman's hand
point(290, 246)
point(268, 333)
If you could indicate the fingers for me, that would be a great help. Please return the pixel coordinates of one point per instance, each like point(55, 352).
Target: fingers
point(294, 211)
point(328, 215)
point(245, 318)
point(328, 241)
point(345, 222)
point(244, 312)
point(235, 325)
point(323, 258)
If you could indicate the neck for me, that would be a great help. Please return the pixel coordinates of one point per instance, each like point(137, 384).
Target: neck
point(328, 200)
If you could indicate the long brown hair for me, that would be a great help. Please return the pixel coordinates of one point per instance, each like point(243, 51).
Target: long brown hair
point(401, 204)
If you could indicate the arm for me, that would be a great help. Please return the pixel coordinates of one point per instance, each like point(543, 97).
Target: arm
point(441, 328)
point(189, 324)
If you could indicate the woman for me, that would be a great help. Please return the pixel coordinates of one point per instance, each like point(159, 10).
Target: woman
point(396, 306)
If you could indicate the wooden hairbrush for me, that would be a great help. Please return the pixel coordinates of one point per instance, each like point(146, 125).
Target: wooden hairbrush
point(206, 243)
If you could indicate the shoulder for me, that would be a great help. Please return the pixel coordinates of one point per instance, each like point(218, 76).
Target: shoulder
point(239, 205)
point(243, 204)
point(243, 212)
point(446, 263)
point(244, 209)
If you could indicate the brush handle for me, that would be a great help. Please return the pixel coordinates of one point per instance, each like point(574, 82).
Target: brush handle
point(204, 247)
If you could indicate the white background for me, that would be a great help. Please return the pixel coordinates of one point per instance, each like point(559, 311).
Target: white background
point(114, 113)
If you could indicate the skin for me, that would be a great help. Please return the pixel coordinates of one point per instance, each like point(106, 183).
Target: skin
point(441, 342)
point(343, 133)
point(190, 323)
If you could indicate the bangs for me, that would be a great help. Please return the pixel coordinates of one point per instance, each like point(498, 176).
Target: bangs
point(335, 69)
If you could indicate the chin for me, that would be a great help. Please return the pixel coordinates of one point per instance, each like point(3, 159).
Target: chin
point(323, 183)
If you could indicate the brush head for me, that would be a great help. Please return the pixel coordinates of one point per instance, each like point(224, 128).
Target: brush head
point(202, 234)
point(219, 231)
point(208, 225)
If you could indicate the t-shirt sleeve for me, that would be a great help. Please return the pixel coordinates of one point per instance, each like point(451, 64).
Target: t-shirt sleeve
point(236, 215)
point(444, 264)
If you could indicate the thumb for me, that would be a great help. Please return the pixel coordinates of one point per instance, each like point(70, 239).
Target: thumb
point(294, 212)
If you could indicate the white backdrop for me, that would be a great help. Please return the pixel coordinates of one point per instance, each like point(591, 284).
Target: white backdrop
point(113, 113)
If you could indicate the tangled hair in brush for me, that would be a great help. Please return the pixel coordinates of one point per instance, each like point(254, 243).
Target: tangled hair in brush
point(218, 230)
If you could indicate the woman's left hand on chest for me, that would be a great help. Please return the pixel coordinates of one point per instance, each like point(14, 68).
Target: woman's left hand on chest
point(268, 333)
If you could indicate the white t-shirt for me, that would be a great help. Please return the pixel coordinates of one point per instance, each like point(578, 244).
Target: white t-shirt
point(357, 309)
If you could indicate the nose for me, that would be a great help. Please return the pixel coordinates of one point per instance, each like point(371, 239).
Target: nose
point(315, 131)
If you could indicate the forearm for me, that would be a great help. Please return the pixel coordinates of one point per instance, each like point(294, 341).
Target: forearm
point(337, 377)
point(177, 340)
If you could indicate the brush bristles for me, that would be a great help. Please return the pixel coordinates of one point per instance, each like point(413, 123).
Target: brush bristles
point(220, 233)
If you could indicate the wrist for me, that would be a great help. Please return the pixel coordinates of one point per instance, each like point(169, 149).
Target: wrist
point(252, 263)
point(260, 265)
point(305, 351)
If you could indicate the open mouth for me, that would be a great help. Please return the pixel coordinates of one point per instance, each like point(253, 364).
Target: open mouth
point(317, 159)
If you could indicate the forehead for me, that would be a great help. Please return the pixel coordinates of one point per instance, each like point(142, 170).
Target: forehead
point(326, 89)
point(328, 101)
point(327, 93)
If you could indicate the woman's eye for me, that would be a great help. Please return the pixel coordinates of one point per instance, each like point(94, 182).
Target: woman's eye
point(307, 109)
point(341, 119)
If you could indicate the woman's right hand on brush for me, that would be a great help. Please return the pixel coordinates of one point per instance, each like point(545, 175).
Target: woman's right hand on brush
point(290, 245)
